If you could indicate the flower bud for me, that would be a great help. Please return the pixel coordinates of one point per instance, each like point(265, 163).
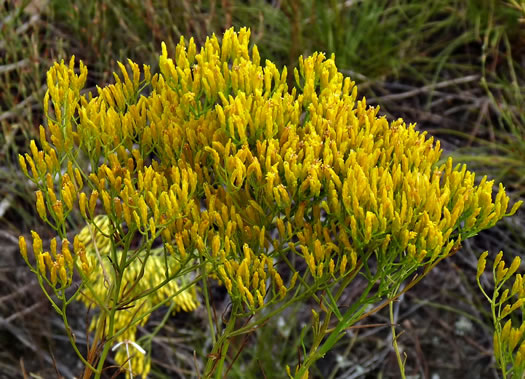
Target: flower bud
point(23, 247)
point(481, 264)
point(92, 203)
point(40, 205)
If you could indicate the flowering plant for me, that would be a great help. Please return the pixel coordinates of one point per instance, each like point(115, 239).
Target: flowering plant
point(505, 302)
point(218, 168)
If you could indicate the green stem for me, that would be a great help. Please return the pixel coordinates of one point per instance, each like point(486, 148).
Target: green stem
point(105, 351)
point(217, 356)
point(400, 362)
point(179, 273)
point(41, 283)
point(353, 315)
point(262, 320)
point(108, 340)
point(149, 338)
point(86, 282)
point(497, 330)
point(300, 278)
point(207, 298)
point(335, 334)
point(72, 337)
point(348, 280)
point(138, 319)
point(483, 291)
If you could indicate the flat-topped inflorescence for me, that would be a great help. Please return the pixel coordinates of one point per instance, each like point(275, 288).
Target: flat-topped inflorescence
point(228, 167)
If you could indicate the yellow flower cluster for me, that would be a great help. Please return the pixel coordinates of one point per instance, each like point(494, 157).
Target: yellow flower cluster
point(220, 161)
point(53, 266)
point(509, 341)
point(246, 277)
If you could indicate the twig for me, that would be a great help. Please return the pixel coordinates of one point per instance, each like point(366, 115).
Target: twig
point(25, 311)
point(13, 66)
point(19, 107)
point(427, 88)
point(354, 74)
point(3, 233)
point(18, 291)
point(22, 368)
point(17, 332)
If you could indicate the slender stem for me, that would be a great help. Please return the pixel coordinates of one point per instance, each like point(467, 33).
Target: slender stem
point(225, 346)
point(335, 334)
point(86, 282)
point(300, 278)
point(72, 337)
point(217, 356)
point(400, 362)
point(352, 316)
point(412, 283)
point(99, 257)
point(322, 332)
point(483, 291)
point(138, 319)
point(207, 298)
point(497, 326)
point(53, 304)
point(115, 292)
point(106, 340)
point(148, 338)
point(262, 320)
point(162, 284)
point(348, 279)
